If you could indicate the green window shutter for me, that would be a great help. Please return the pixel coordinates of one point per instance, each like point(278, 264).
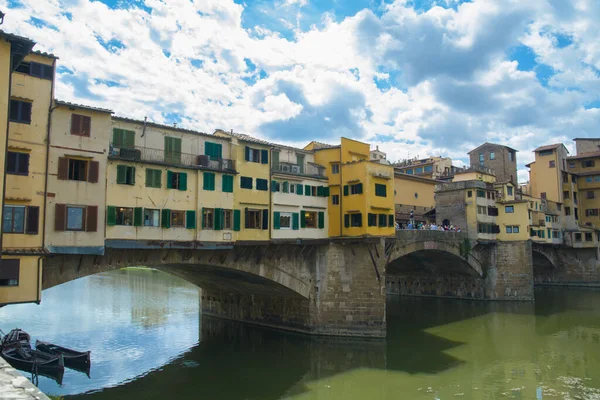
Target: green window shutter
point(129, 140)
point(132, 170)
point(111, 215)
point(219, 151)
point(275, 160)
point(307, 190)
point(157, 176)
point(182, 181)
point(121, 174)
point(208, 149)
point(302, 219)
point(359, 188)
point(218, 219)
point(326, 191)
point(236, 220)
point(165, 218)
point(360, 219)
point(371, 219)
point(276, 216)
point(209, 181)
point(321, 220)
point(382, 220)
point(346, 189)
point(264, 156)
point(295, 222)
point(203, 219)
point(299, 189)
point(319, 191)
point(227, 184)
point(247, 155)
point(190, 219)
point(286, 187)
point(117, 137)
point(149, 177)
point(138, 216)
point(347, 220)
point(391, 221)
point(169, 180)
point(265, 219)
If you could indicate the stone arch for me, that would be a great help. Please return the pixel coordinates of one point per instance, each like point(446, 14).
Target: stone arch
point(544, 265)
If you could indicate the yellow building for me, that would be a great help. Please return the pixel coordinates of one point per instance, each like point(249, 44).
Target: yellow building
point(361, 192)
point(413, 193)
point(586, 167)
point(76, 200)
point(31, 90)
point(251, 195)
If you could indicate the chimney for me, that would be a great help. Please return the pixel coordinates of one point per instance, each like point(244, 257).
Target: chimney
point(377, 147)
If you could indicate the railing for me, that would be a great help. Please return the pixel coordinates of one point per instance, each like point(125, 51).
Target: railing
point(172, 158)
point(304, 169)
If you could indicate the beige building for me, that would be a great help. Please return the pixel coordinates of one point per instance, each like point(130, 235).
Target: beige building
point(502, 160)
point(378, 156)
point(76, 201)
point(414, 193)
point(432, 167)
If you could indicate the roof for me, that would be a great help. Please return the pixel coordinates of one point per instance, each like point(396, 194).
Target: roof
point(417, 178)
point(75, 105)
point(44, 54)
point(251, 139)
point(321, 146)
point(513, 201)
point(494, 145)
point(550, 147)
point(20, 47)
point(163, 126)
point(586, 138)
point(585, 155)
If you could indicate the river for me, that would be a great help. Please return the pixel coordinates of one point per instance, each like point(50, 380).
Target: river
point(149, 341)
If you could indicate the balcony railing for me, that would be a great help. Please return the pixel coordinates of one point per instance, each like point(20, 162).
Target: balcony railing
point(303, 169)
point(171, 158)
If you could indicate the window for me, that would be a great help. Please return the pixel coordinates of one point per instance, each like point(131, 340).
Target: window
point(310, 219)
point(153, 178)
point(77, 170)
point(14, 219)
point(588, 237)
point(253, 219)
point(590, 194)
point(552, 164)
point(172, 150)
point(509, 190)
point(409, 171)
point(262, 184)
point(380, 190)
point(256, 155)
point(213, 150)
point(509, 209)
point(20, 111)
point(589, 179)
point(492, 155)
point(356, 220)
point(578, 237)
point(335, 199)
point(151, 217)
point(208, 218)
point(9, 272)
point(512, 229)
point(124, 216)
point(17, 163)
point(382, 220)
point(177, 219)
point(428, 168)
point(481, 210)
point(571, 164)
point(125, 174)
point(567, 210)
point(509, 229)
point(419, 170)
point(37, 70)
point(245, 182)
point(573, 178)
point(371, 219)
point(208, 181)
point(227, 219)
point(356, 189)
point(227, 183)
point(123, 138)
point(511, 156)
point(492, 211)
point(591, 212)
point(481, 194)
point(285, 220)
point(566, 194)
point(176, 180)
point(81, 125)
point(545, 153)
point(335, 168)
point(596, 178)
point(481, 158)
point(292, 188)
point(75, 218)
point(588, 163)
point(470, 193)
point(543, 195)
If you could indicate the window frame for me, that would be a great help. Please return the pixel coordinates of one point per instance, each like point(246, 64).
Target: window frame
point(257, 219)
point(227, 219)
point(287, 215)
point(380, 190)
point(19, 119)
point(152, 210)
point(492, 155)
point(82, 123)
point(83, 218)
point(208, 219)
point(174, 214)
point(314, 219)
point(335, 168)
point(509, 209)
point(122, 211)
point(335, 199)
point(18, 155)
point(12, 206)
point(80, 163)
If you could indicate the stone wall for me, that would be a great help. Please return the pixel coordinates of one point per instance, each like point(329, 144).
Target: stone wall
point(564, 266)
point(459, 287)
point(510, 273)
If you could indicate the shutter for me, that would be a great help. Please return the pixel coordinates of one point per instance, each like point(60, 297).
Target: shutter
point(75, 124)
point(276, 216)
point(86, 125)
point(227, 184)
point(236, 220)
point(149, 177)
point(60, 217)
point(157, 178)
point(33, 220)
point(286, 187)
point(264, 156)
point(138, 219)
point(169, 180)
point(346, 189)
point(182, 181)
point(347, 220)
point(360, 220)
point(111, 216)
point(247, 153)
point(219, 151)
point(121, 174)
point(208, 149)
point(177, 148)
point(273, 186)
point(307, 190)
point(265, 219)
point(203, 219)
point(382, 220)
point(63, 168)
point(295, 221)
point(190, 219)
point(94, 173)
point(91, 219)
point(246, 217)
point(325, 191)
point(205, 178)
point(391, 221)
point(321, 220)
point(302, 219)
point(299, 189)
point(218, 219)
point(359, 188)
point(129, 139)
point(132, 171)
point(370, 221)
point(275, 160)
point(165, 218)
point(117, 137)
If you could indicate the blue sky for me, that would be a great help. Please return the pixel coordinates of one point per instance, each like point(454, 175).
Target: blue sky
point(418, 77)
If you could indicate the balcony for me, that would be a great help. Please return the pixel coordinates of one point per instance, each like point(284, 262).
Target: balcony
point(308, 168)
point(144, 154)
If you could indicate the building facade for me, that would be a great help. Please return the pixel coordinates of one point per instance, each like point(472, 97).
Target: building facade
point(501, 159)
point(432, 167)
point(414, 193)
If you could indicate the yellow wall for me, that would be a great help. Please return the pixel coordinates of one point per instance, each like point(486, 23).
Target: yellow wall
point(214, 199)
point(353, 150)
point(30, 282)
point(81, 193)
point(473, 176)
point(405, 188)
point(520, 218)
point(4, 79)
point(326, 157)
point(545, 179)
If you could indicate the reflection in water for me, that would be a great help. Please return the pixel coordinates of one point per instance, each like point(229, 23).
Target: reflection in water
point(148, 341)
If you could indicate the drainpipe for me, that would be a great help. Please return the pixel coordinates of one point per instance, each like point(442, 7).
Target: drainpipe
point(39, 278)
point(341, 197)
point(6, 148)
point(50, 109)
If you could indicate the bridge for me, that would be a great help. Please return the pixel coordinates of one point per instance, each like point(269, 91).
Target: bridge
point(334, 286)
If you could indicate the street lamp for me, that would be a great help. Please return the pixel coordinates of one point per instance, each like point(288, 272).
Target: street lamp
point(1, 17)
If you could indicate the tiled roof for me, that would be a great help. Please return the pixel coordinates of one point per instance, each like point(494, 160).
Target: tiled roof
point(75, 105)
point(549, 147)
point(491, 144)
point(251, 139)
point(39, 250)
point(319, 145)
point(585, 155)
point(44, 54)
point(163, 126)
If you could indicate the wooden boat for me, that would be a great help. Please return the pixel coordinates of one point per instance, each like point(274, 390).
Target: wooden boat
point(27, 359)
point(16, 337)
point(79, 360)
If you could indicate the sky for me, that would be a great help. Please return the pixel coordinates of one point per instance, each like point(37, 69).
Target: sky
point(417, 78)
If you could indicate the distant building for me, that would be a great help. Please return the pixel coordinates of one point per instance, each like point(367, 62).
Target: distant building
point(379, 156)
point(587, 145)
point(432, 167)
point(414, 193)
point(501, 159)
